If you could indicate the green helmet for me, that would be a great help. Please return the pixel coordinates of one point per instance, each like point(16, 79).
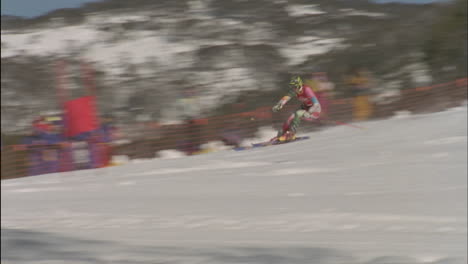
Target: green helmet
point(296, 83)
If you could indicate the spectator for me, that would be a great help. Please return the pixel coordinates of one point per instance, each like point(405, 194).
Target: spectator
point(189, 108)
point(359, 82)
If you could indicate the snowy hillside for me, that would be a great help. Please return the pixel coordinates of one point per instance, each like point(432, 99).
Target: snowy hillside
point(146, 53)
point(104, 39)
point(393, 193)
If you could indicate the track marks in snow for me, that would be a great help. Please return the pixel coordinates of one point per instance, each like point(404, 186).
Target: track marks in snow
point(413, 190)
point(216, 165)
point(446, 140)
point(301, 171)
point(286, 222)
point(35, 190)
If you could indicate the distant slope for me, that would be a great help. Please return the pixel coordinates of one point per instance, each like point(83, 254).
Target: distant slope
point(146, 52)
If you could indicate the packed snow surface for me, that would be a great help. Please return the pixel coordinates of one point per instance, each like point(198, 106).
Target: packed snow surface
point(392, 193)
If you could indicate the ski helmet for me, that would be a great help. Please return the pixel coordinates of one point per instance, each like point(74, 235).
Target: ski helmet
point(296, 83)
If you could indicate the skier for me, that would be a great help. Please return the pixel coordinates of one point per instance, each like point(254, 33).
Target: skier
point(309, 110)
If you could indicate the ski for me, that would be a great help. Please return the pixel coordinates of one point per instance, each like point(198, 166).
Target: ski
point(270, 143)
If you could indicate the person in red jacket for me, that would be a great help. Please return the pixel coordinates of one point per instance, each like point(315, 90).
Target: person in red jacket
point(309, 110)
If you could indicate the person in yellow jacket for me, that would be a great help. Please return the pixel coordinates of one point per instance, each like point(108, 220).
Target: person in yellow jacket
point(362, 107)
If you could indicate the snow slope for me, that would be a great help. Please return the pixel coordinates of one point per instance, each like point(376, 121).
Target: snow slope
point(393, 193)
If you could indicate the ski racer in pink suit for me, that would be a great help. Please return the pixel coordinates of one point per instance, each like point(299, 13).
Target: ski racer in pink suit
point(309, 110)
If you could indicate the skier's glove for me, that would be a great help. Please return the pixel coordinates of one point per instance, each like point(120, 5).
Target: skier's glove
point(277, 107)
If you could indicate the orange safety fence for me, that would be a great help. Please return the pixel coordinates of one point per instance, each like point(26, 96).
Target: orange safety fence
point(26, 160)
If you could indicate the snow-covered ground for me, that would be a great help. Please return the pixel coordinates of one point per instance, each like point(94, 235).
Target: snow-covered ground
point(393, 193)
point(304, 10)
point(354, 12)
point(298, 52)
